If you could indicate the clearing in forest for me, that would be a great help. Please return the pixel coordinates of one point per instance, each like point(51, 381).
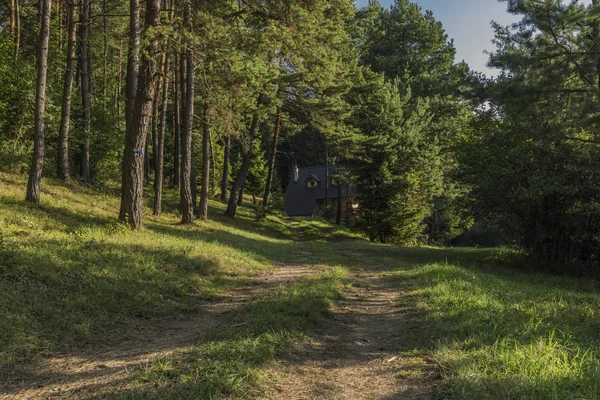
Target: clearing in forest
point(278, 309)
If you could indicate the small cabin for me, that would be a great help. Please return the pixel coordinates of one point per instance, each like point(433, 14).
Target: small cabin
point(312, 189)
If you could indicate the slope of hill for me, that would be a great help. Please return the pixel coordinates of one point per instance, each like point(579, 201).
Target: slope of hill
point(275, 309)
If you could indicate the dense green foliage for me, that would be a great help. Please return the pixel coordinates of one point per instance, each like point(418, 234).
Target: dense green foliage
point(413, 53)
point(532, 157)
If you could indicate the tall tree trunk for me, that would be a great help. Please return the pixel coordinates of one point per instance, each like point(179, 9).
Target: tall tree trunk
point(225, 177)
point(131, 81)
point(133, 58)
point(159, 154)
point(326, 174)
point(17, 37)
point(137, 134)
point(204, 189)
point(176, 122)
point(155, 123)
point(338, 214)
point(62, 167)
point(241, 196)
point(186, 192)
point(147, 152)
point(194, 176)
point(104, 52)
point(37, 161)
point(155, 118)
point(84, 70)
point(273, 156)
point(119, 75)
point(213, 183)
point(238, 184)
point(12, 19)
point(60, 23)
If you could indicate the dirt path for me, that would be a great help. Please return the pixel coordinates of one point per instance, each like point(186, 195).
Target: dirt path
point(356, 358)
point(93, 372)
point(361, 355)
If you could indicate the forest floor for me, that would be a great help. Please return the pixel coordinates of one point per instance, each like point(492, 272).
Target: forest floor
point(278, 309)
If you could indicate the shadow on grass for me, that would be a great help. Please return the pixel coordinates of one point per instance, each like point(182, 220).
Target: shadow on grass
point(86, 287)
point(230, 360)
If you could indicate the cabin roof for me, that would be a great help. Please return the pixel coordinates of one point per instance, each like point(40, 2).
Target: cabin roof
point(300, 199)
point(312, 176)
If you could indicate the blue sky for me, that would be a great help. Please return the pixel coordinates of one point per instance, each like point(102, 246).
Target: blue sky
point(468, 23)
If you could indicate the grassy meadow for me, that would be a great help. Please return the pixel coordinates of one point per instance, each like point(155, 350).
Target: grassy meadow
point(71, 277)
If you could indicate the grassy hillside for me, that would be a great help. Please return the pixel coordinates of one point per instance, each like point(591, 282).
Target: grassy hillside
point(72, 278)
point(71, 275)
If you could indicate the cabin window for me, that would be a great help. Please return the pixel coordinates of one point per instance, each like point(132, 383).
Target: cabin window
point(312, 183)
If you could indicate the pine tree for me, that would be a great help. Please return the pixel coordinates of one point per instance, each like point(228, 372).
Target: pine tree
point(391, 160)
point(37, 162)
point(63, 145)
point(133, 163)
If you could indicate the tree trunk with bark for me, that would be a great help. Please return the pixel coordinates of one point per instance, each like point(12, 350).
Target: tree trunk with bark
point(151, 162)
point(131, 79)
point(137, 133)
point(133, 58)
point(225, 177)
point(159, 155)
point(60, 23)
point(326, 174)
point(147, 152)
point(17, 36)
point(186, 192)
point(273, 156)
point(37, 161)
point(213, 183)
point(238, 185)
point(204, 189)
point(176, 123)
point(241, 196)
point(194, 176)
point(84, 70)
point(62, 162)
point(338, 214)
point(104, 51)
point(117, 102)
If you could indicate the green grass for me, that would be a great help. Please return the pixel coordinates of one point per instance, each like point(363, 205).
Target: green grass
point(70, 275)
point(496, 328)
point(500, 333)
point(233, 363)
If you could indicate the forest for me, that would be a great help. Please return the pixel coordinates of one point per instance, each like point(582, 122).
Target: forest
point(146, 149)
point(224, 98)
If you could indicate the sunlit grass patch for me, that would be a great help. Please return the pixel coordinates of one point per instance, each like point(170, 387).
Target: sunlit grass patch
point(498, 333)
